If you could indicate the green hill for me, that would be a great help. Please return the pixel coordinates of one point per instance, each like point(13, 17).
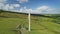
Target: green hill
point(39, 24)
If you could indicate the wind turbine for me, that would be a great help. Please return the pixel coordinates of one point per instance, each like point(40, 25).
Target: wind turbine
point(29, 13)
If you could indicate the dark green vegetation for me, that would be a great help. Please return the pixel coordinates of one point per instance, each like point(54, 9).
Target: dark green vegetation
point(39, 24)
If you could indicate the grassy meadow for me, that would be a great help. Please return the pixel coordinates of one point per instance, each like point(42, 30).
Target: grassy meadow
point(39, 24)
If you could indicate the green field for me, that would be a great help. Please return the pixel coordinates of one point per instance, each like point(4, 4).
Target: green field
point(39, 24)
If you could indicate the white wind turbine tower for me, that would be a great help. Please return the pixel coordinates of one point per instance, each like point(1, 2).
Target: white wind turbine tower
point(29, 13)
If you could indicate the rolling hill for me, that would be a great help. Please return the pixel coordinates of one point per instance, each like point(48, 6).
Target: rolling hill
point(39, 24)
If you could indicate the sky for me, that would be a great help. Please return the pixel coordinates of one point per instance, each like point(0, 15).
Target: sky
point(32, 6)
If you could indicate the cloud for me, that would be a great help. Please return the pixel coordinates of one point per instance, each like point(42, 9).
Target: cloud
point(46, 10)
point(15, 5)
point(38, 10)
point(3, 1)
point(53, 11)
point(9, 7)
point(1, 5)
point(21, 1)
point(23, 9)
point(42, 8)
point(5, 6)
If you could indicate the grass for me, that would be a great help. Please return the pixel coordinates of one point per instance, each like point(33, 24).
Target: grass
point(39, 24)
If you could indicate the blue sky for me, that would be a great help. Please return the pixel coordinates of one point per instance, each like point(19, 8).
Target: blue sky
point(35, 3)
point(35, 6)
